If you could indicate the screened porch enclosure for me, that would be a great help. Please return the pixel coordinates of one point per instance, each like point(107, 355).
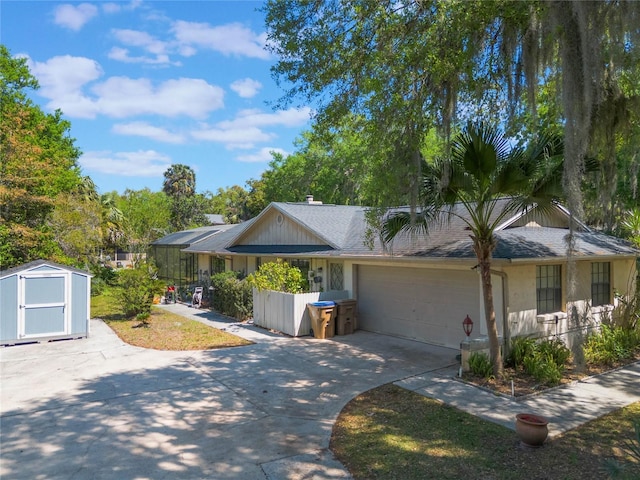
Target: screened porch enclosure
point(175, 267)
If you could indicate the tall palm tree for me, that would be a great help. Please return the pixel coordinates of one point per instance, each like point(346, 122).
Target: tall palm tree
point(112, 221)
point(180, 186)
point(482, 169)
point(179, 181)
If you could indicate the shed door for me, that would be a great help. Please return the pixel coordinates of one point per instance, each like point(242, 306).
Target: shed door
point(43, 305)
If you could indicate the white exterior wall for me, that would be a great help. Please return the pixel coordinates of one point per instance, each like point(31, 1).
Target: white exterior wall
point(315, 265)
point(523, 318)
point(239, 264)
point(202, 261)
point(349, 278)
point(623, 275)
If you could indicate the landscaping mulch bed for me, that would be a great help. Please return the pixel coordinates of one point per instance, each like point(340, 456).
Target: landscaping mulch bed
point(524, 384)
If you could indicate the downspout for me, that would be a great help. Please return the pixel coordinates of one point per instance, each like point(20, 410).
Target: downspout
point(506, 332)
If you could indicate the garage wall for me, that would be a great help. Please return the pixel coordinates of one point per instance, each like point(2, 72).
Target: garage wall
point(423, 304)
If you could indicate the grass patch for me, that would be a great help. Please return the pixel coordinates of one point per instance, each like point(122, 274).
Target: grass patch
point(165, 330)
point(106, 307)
point(392, 433)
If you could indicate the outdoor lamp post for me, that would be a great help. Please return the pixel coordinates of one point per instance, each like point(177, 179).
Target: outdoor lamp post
point(467, 325)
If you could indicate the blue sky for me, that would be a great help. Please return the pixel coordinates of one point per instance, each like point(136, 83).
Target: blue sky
point(146, 84)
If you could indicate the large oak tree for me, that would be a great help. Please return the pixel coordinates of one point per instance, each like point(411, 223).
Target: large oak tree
point(38, 163)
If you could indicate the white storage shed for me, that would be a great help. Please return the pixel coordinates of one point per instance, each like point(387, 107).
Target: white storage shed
point(42, 301)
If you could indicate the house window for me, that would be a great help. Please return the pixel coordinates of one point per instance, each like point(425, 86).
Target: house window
point(600, 283)
point(216, 265)
point(548, 289)
point(336, 276)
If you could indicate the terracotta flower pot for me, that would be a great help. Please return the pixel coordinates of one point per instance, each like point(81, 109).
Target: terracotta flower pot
point(531, 429)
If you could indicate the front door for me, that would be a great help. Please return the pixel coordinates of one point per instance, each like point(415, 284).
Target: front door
point(44, 308)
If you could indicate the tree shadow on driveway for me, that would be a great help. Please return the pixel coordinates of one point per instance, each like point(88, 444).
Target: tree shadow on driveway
point(215, 414)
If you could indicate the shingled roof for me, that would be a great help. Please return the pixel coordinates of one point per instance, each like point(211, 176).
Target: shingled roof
point(190, 237)
point(343, 229)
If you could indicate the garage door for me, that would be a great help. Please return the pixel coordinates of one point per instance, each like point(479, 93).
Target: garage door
point(422, 304)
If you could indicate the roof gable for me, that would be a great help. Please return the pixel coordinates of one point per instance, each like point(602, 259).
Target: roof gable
point(275, 226)
point(555, 217)
point(42, 266)
point(300, 224)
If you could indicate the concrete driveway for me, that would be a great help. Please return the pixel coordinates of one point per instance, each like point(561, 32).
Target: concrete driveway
point(100, 409)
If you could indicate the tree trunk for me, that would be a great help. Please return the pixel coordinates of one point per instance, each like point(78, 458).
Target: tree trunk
point(483, 253)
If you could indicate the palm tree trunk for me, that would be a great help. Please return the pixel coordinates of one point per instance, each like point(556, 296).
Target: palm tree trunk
point(483, 253)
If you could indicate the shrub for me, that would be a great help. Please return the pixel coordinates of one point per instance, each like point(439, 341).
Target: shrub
point(278, 276)
point(232, 295)
point(479, 364)
point(521, 347)
point(103, 277)
point(98, 286)
point(136, 287)
point(543, 368)
point(611, 345)
point(544, 360)
point(556, 350)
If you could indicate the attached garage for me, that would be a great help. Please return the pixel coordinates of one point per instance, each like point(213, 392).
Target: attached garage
point(423, 304)
point(43, 301)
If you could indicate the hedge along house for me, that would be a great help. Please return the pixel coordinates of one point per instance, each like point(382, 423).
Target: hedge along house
point(42, 301)
point(180, 268)
point(423, 287)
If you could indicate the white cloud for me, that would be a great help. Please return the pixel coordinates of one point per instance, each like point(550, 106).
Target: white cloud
point(143, 163)
point(246, 88)
point(74, 17)
point(122, 55)
point(263, 155)
point(143, 129)
point(246, 130)
point(61, 81)
point(293, 117)
point(123, 97)
point(231, 39)
point(233, 138)
point(137, 38)
point(111, 7)
point(158, 49)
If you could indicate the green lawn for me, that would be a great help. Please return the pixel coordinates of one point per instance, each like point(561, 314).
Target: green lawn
point(165, 330)
point(392, 433)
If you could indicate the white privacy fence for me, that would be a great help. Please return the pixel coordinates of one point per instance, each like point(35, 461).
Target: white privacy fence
point(287, 312)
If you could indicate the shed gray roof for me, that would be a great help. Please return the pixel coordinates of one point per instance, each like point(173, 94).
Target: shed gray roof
point(344, 229)
point(38, 263)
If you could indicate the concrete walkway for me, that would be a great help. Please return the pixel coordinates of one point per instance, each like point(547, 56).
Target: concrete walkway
point(100, 409)
point(566, 407)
